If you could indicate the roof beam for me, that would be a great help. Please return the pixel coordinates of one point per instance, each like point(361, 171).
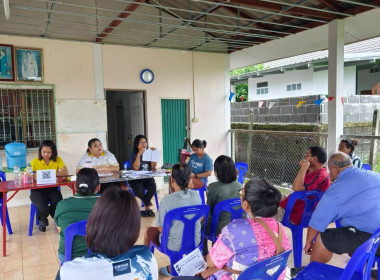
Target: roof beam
point(246, 16)
point(332, 5)
point(280, 8)
point(115, 23)
point(362, 7)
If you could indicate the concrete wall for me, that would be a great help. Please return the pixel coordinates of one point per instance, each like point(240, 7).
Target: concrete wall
point(80, 72)
point(283, 111)
point(357, 109)
point(312, 83)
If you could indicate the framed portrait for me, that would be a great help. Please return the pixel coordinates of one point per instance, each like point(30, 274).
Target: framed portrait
point(7, 65)
point(29, 65)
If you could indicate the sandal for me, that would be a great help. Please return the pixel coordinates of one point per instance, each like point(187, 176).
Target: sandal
point(144, 213)
point(164, 271)
point(150, 213)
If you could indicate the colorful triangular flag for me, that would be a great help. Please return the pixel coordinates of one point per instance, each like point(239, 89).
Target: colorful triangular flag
point(342, 101)
point(271, 104)
point(231, 95)
point(261, 103)
point(318, 101)
point(300, 103)
point(330, 98)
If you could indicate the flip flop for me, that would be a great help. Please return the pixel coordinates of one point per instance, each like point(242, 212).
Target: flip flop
point(164, 271)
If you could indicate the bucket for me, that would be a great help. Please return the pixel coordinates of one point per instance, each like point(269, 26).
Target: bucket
point(16, 154)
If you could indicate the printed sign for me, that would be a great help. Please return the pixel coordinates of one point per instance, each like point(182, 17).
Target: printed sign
point(47, 176)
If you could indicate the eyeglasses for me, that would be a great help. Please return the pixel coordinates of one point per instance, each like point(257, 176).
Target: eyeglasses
point(308, 155)
point(143, 142)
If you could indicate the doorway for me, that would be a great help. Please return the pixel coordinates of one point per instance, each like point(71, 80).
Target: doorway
point(175, 128)
point(125, 120)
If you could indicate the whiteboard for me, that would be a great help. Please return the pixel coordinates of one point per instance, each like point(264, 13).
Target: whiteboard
point(78, 116)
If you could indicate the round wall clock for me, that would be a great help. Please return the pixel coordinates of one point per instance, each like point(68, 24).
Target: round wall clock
point(147, 76)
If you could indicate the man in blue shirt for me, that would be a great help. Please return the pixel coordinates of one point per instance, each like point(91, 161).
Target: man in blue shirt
point(353, 198)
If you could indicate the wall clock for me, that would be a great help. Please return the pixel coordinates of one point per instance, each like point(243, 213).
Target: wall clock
point(147, 76)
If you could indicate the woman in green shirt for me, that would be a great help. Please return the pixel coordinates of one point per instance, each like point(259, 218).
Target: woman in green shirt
point(225, 188)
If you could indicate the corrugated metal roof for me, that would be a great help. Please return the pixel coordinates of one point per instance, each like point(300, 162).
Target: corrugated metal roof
point(202, 25)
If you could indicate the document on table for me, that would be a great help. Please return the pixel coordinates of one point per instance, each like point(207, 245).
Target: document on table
point(105, 174)
point(191, 264)
point(150, 155)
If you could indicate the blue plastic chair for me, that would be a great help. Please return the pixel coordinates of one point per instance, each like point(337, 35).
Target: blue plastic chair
point(202, 192)
point(242, 167)
point(188, 216)
point(310, 198)
point(366, 166)
point(128, 166)
point(268, 269)
point(78, 228)
point(7, 220)
point(359, 266)
point(33, 216)
point(232, 206)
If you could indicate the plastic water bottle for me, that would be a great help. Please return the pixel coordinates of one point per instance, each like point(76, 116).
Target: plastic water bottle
point(29, 171)
point(16, 171)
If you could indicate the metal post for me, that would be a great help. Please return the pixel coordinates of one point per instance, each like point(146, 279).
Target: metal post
point(375, 132)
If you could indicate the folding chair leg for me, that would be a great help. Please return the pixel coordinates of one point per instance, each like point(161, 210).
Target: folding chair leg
point(7, 221)
point(156, 197)
point(297, 247)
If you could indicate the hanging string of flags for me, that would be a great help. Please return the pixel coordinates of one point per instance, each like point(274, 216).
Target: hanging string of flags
point(300, 103)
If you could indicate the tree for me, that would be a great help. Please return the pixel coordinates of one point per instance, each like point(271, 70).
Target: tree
point(241, 90)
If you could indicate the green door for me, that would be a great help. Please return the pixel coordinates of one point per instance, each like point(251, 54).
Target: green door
point(174, 128)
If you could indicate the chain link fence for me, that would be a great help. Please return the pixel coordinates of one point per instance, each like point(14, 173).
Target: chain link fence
point(275, 155)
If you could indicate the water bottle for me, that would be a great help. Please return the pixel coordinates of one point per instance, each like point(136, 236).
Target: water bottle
point(16, 171)
point(29, 171)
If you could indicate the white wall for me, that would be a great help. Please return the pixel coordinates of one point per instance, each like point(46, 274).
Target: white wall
point(81, 112)
point(367, 80)
point(313, 83)
point(277, 85)
point(320, 81)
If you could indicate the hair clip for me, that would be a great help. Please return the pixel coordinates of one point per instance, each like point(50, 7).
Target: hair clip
point(83, 185)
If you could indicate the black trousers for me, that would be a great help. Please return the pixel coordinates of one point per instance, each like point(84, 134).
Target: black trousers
point(138, 186)
point(41, 197)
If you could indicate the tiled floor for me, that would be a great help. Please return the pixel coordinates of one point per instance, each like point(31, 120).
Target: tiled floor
point(35, 257)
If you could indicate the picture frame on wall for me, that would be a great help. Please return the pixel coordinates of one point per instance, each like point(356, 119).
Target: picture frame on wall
point(7, 65)
point(29, 64)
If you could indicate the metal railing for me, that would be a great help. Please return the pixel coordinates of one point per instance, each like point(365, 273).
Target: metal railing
point(275, 155)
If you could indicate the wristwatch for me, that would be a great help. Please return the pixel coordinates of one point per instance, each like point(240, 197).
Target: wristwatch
point(196, 176)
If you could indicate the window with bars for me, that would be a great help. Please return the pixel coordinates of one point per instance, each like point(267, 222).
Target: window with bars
point(26, 115)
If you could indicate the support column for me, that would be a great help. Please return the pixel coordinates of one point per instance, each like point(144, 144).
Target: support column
point(335, 84)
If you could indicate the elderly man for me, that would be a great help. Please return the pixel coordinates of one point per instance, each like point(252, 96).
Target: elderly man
point(353, 198)
point(311, 176)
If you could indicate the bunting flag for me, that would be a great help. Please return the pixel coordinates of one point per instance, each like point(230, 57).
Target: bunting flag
point(261, 103)
point(342, 101)
point(318, 101)
point(271, 104)
point(231, 95)
point(300, 103)
point(330, 98)
point(242, 98)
